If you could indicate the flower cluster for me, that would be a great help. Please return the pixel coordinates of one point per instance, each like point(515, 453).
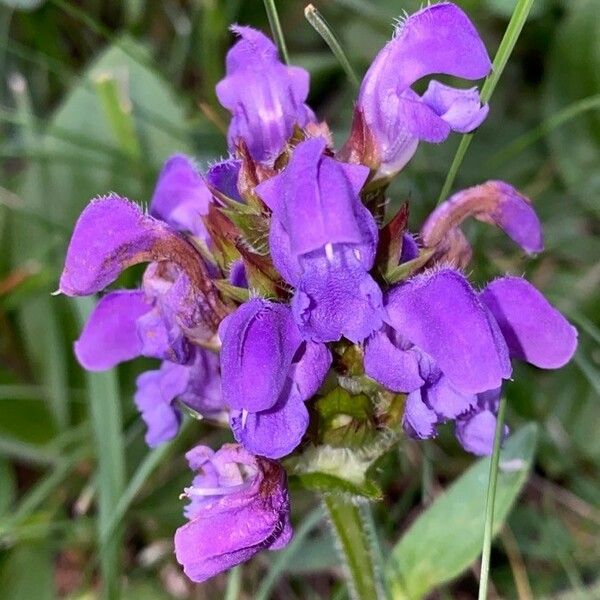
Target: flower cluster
point(265, 269)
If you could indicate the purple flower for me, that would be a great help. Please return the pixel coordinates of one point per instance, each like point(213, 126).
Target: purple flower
point(533, 329)
point(323, 242)
point(196, 384)
point(437, 39)
point(493, 202)
point(448, 348)
point(268, 373)
point(265, 97)
point(238, 506)
point(441, 324)
point(176, 308)
point(113, 234)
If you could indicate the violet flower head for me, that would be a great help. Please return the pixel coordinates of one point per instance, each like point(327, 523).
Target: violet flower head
point(238, 506)
point(265, 97)
point(323, 242)
point(437, 39)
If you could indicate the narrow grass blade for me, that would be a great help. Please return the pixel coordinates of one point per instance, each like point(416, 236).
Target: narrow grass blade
point(511, 35)
point(276, 30)
point(105, 414)
point(234, 584)
point(285, 557)
point(38, 494)
point(117, 109)
point(145, 469)
point(320, 25)
point(560, 118)
point(490, 501)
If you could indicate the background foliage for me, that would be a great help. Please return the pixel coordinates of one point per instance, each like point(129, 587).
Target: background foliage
point(81, 498)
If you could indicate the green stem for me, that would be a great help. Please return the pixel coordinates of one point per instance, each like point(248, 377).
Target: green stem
point(353, 545)
point(320, 25)
point(489, 504)
point(276, 30)
point(511, 35)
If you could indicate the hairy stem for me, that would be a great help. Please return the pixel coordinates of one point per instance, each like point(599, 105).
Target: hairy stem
point(354, 547)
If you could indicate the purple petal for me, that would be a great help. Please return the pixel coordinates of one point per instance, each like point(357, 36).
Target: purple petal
point(181, 197)
point(222, 178)
point(155, 393)
point(110, 334)
point(493, 202)
point(265, 97)
point(259, 342)
point(436, 39)
point(442, 397)
point(203, 378)
point(410, 250)
point(316, 199)
point(461, 109)
point(237, 274)
point(419, 421)
point(110, 235)
point(336, 298)
point(395, 368)
point(273, 433)
point(476, 433)
point(533, 329)
point(161, 338)
point(309, 370)
point(439, 312)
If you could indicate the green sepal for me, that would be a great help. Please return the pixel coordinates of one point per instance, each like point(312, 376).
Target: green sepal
point(406, 269)
point(343, 420)
point(346, 457)
point(238, 294)
point(254, 228)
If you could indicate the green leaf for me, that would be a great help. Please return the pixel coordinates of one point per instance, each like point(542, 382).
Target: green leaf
point(447, 537)
point(27, 572)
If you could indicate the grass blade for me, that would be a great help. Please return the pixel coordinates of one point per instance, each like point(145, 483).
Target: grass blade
point(287, 555)
point(320, 25)
point(511, 35)
point(490, 501)
point(276, 30)
point(105, 414)
point(147, 466)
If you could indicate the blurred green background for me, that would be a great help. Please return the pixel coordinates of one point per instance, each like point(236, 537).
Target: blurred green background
point(74, 471)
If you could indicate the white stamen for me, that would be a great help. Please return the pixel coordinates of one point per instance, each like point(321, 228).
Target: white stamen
point(329, 252)
point(244, 418)
point(357, 253)
point(190, 492)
